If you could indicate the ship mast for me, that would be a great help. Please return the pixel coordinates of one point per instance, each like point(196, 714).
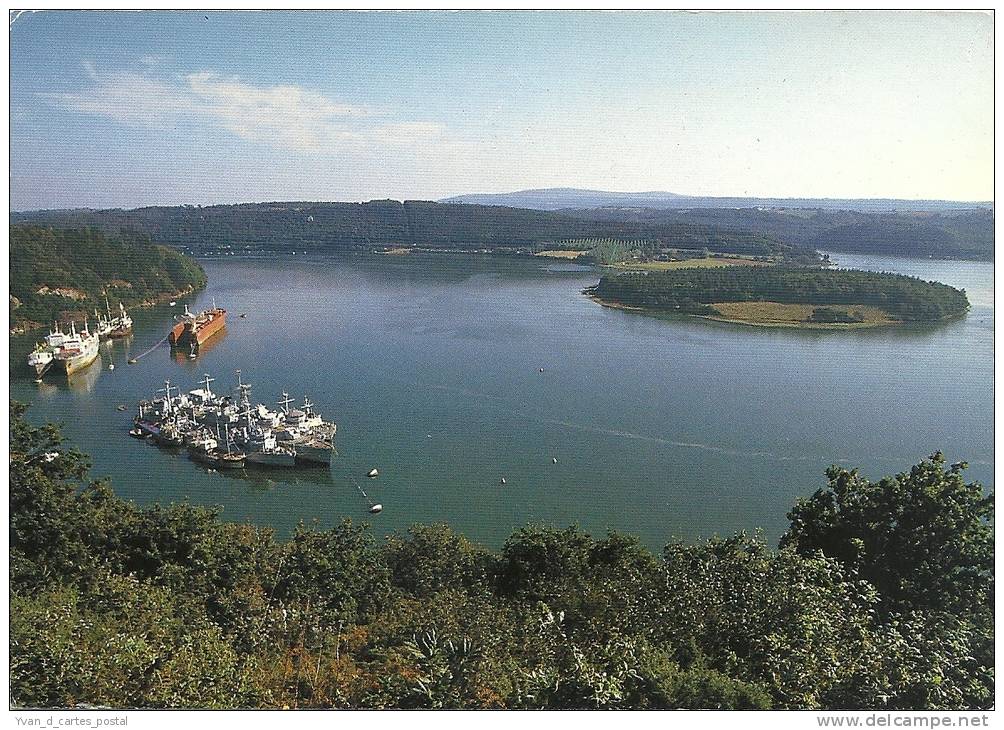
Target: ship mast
point(284, 402)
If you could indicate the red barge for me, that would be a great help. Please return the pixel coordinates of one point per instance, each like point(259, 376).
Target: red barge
point(194, 329)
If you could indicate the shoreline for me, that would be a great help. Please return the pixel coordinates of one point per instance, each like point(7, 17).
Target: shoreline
point(21, 330)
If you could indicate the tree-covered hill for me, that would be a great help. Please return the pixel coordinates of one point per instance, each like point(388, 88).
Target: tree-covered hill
point(880, 596)
point(389, 223)
point(694, 290)
point(963, 234)
point(56, 270)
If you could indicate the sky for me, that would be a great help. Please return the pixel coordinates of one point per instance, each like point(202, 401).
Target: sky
point(124, 109)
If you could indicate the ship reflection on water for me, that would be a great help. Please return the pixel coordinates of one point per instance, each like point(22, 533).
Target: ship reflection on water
point(83, 381)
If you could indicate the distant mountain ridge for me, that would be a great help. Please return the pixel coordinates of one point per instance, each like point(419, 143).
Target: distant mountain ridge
point(562, 198)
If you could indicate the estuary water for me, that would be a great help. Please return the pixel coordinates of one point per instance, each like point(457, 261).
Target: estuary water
point(431, 367)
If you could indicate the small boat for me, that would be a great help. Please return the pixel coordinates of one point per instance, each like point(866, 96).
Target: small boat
point(376, 509)
point(502, 481)
point(38, 381)
point(120, 408)
point(174, 304)
point(554, 460)
point(244, 316)
point(132, 361)
point(542, 370)
point(372, 473)
point(111, 366)
point(137, 433)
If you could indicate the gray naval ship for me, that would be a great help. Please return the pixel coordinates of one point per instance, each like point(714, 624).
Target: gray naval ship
point(227, 431)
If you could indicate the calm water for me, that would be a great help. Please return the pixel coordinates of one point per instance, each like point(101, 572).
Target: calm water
point(430, 366)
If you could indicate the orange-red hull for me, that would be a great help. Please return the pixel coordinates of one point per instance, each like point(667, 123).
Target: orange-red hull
point(205, 326)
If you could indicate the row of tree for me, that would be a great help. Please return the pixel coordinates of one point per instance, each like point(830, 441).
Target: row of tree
point(88, 263)
point(692, 290)
point(880, 596)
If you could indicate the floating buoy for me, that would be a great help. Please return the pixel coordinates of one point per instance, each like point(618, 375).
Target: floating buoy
point(372, 473)
point(376, 509)
point(502, 481)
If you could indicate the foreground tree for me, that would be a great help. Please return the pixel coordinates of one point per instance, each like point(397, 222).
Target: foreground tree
point(923, 538)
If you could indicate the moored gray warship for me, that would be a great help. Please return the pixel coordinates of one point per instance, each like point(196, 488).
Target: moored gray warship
point(228, 432)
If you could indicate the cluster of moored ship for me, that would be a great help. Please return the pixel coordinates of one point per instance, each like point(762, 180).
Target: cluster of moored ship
point(228, 432)
point(223, 431)
point(70, 350)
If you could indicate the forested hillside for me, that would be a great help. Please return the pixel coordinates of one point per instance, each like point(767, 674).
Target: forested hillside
point(694, 290)
point(880, 596)
point(965, 234)
point(55, 270)
point(388, 223)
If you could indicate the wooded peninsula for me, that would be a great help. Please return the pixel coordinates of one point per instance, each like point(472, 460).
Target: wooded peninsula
point(58, 273)
point(779, 295)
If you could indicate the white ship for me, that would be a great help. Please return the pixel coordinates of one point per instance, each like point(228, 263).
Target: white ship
point(40, 359)
point(109, 326)
point(78, 350)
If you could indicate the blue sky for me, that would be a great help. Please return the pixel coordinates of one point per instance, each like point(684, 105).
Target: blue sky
point(128, 109)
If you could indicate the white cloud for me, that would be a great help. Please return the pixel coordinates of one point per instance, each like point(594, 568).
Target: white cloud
point(284, 116)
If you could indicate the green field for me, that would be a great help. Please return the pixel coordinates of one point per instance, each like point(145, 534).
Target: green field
point(775, 314)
